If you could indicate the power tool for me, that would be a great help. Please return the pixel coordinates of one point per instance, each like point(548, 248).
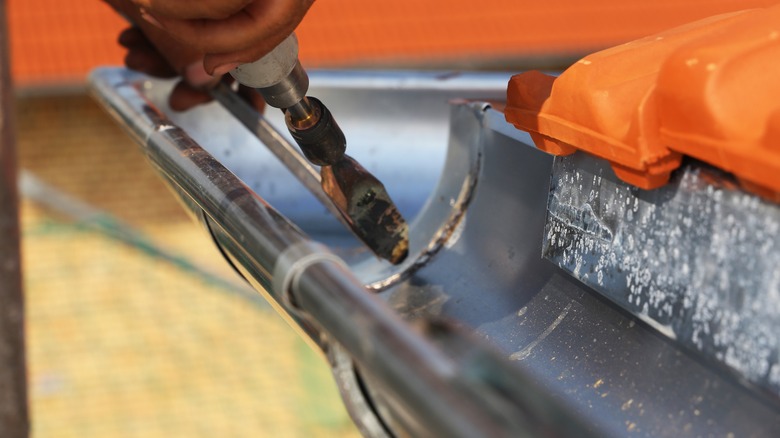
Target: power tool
point(361, 199)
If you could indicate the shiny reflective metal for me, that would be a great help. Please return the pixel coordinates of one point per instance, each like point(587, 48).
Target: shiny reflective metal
point(698, 258)
point(474, 334)
point(289, 91)
point(347, 189)
point(275, 142)
point(362, 201)
point(301, 115)
point(367, 207)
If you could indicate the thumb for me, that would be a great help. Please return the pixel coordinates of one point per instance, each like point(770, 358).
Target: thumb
point(195, 74)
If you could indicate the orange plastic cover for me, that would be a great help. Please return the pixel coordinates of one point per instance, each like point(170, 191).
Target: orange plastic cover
point(709, 90)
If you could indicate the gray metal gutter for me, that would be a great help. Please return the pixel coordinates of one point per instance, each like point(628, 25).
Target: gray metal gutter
point(476, 335)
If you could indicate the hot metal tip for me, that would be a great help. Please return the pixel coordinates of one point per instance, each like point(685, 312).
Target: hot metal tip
point(364, 202)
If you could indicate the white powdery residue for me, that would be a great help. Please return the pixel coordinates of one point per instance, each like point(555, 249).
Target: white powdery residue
point(773, 292)
point(696, 339)
point(774, 375)
point(667, 309)
point(751, 366)
point(664, 329)
point(693, 257)
point(663, 257)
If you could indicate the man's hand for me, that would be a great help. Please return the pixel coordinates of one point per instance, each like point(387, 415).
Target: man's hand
point(158, 51)
point(143, 56)
point(227, 32)
point(192, 90)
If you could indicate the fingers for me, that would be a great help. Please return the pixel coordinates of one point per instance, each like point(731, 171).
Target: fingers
point(243, 37)
point(237, 32)
point(179, 55)
point(132, 37)
point(150, 63)
point(142, 56)
point(184, 96)
point(221, 63)
point(192, 38)
point(195, 75)
point(191, 10)
point(152, 42)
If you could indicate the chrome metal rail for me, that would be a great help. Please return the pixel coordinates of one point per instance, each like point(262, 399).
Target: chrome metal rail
point(474, 335)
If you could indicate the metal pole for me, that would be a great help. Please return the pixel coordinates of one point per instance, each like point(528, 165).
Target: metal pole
point(14, 420)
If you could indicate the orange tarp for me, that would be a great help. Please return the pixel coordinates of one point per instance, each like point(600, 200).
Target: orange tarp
point(55, 41)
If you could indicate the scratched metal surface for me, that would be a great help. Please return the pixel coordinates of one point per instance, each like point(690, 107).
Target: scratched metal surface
point(697, 258)
point(605, 364)
point(479, 224)
point(369, 108)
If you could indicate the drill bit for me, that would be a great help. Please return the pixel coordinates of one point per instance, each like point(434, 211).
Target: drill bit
point(347, 188)
point(361, 200)
point(367, 207)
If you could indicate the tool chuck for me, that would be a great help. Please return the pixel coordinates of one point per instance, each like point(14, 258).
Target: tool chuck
point(283, 83)
point(361, 199)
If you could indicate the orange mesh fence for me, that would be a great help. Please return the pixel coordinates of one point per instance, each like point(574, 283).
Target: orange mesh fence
point(55, 41)
point(358, 32)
